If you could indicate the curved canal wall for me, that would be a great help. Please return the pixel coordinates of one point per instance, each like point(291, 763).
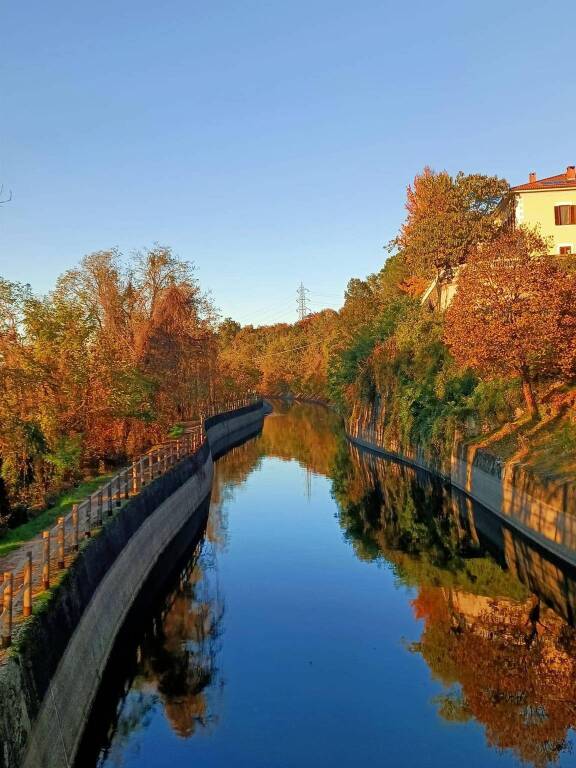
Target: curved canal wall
point(543, 510)
point(48, 684)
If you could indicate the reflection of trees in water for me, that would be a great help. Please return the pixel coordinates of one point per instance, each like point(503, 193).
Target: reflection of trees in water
point(505, 659)
point(179, 655)
point(390, 511)
point(133, 717)
point(310, 435)
point(177, 660)
point(508, 664)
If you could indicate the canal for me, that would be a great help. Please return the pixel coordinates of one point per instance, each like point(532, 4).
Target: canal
point(343, 610)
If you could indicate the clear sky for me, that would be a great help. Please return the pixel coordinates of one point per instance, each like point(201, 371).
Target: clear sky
point(268, 141)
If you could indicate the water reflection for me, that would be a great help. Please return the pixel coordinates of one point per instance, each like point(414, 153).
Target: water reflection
point(505, 657)
point(489, 613)
point(175, 663)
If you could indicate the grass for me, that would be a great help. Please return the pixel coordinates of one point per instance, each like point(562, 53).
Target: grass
point(553, 451)
point(15, 537)
point(547, 448)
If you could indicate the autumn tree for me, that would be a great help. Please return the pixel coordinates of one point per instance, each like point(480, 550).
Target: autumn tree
point(282, 358)
point(21, 443)
point(227, 332)
point(100, 367)
point(447, 217)
point(514, 313)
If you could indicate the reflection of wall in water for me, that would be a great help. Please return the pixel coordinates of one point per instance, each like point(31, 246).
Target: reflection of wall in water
point(544, 505)
point(473, 525)
point(543, 573)
point(505, 659)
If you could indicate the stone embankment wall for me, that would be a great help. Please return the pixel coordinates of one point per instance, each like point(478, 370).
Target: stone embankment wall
point(543, 510)
point(48, 685)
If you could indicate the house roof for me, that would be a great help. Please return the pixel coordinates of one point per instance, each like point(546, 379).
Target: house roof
point(566, 180)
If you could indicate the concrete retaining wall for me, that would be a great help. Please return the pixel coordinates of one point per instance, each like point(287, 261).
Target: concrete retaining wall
point(47, 688)
point(543, 512)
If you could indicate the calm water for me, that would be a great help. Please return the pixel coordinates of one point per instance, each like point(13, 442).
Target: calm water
point(342, 610)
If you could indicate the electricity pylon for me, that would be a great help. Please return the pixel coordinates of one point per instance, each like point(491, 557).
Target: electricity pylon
point(302, 302)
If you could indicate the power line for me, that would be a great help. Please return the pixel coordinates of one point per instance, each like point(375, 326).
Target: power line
point(294, 349)
point(302, 302)
point(276, 315)
point(327, 295)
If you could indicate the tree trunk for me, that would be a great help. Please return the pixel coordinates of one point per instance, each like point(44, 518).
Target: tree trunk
point(528, 391)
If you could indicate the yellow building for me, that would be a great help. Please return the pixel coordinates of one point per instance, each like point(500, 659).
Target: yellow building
point(549, 204)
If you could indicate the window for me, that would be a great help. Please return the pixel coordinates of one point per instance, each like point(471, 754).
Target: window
point(565, 214)
point(565, 249)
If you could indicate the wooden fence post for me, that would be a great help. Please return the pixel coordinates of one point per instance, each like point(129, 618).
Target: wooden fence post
point(126, 484)
point(118, 495)
point(141, 472)
point(61, 543)
point(75, 527)
point(27, 592)
point(88, 531)
point(109, 509)
point(46, 559)
point(100, 504)
point(7, 602)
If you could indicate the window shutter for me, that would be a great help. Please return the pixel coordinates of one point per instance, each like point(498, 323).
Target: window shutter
point(557, 214)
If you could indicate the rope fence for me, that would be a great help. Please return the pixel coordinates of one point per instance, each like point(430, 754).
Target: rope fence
point(44, 558)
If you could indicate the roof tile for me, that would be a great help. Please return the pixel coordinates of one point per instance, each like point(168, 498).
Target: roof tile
point(550, 182)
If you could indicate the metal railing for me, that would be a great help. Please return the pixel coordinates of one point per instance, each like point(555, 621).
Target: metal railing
point(40, 562)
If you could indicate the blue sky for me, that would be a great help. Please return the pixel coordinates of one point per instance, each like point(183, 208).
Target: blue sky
point(267, 141)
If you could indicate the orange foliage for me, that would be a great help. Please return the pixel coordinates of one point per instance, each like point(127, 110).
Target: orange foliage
point(514, 313)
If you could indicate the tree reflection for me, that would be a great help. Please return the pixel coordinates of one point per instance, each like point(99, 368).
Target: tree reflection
point(179, 655)
point(177, 660)
point(175, 666)
point(510, 664)
point(491, 606)
point(504, 658)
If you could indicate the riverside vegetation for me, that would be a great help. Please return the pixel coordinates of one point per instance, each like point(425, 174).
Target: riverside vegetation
point(497, 368)
point(124, 348)
point(98, 370)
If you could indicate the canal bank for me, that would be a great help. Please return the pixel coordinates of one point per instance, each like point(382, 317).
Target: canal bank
point(344, 608)
point(49, 681)
point(543, 510)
